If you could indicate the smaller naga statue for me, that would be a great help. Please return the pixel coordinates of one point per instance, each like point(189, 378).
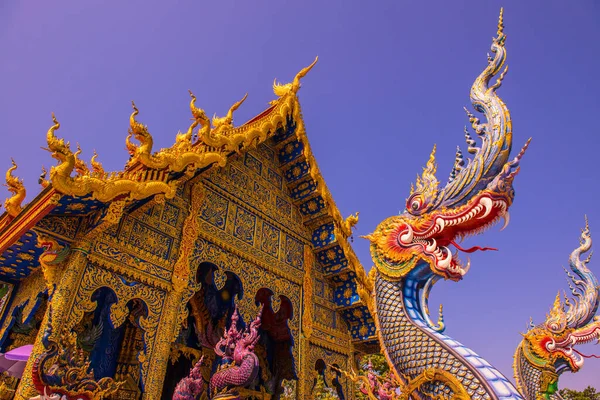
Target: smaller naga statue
point(239, 367)
point(62, 371)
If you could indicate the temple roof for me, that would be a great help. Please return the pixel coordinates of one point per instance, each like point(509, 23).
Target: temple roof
point(77, 194)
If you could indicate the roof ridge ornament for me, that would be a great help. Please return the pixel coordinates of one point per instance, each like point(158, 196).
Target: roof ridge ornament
point(281, 90)
point(16, 187)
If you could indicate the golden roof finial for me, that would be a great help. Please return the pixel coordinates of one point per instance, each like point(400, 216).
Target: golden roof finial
point(501, 22)
point(227, 121)
point(80, 166)
point(283, 89)
point(42, 179)
point(96, 165)
point(16, 187)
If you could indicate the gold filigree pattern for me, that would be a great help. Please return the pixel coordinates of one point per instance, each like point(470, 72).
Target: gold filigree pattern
point(307, 301)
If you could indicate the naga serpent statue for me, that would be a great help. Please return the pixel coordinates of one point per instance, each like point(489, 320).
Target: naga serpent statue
point(411, 251)
point(62, 371)
point(239, 366)
point(547, 350)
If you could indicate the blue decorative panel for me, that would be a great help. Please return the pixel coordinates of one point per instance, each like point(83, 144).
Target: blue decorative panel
point(331, 256)
point(170, 214)
point(283, 206)
point(266, 152)
point(296, 171)
point(341, 278)
point(270, 239)
point(304, 189)
point(262, 193)
point(151, 240)
point(284, 133)
point(294, 252)
point(68, 205)
point(214, 209)
point(252, 162)
point(312, 206)
point(345, 294)
point(323, 235)
point(20, 259)
point(336, 268)
point(363, 330)
point(290, 151)
point(274, 178)
point(244, 225)
point(319, 287)
point(325, 316)
point(238, 177)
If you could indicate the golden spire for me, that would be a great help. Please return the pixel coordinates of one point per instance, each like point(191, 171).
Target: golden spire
point(283, 89)
point(501, 22)
point(16, 187)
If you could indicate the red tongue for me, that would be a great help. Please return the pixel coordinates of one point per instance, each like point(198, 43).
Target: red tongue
point(471, 249)
point(586, 356)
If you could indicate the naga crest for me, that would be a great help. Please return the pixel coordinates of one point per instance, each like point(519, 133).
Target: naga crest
point(477, 194)
point(550, 346)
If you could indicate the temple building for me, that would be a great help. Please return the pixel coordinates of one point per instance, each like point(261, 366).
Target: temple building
point(145, 267)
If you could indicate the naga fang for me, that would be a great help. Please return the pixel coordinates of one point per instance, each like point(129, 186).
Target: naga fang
point(411, 251)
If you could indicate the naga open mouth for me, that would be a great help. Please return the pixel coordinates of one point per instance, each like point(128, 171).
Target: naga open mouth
point(566, 347)
point(445, 228)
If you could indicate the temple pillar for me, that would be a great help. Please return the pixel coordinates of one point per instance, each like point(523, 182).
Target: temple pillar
point(166, 332)
point(61, 303)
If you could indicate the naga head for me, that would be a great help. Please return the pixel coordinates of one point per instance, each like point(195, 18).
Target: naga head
point(226, 122)
point(60, 150)
point(138, 130)
point(551, 345)
point(281, 90)
point(477, 194)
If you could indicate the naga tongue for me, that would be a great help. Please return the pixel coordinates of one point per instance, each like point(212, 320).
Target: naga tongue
point(471, 249)
point(585, 355)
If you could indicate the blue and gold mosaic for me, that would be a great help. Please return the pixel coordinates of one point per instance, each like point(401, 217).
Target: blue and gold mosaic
point(312, 206)
point(151, 240)
point(68, 205)
point(323, 235)
point(290, 151)
point(331, 256)
point(170, 214)
point(296, 171)
point(20, 259)
point(274, 178)
point(294, 252)
point(345, 294)
point(304, 189)
point(214, 209)
point(270, 239)
point(244, 225)
point(253, 163)
point(284, 133)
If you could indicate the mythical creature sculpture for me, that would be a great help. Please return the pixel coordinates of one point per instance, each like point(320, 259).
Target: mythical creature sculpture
point(16, 187)
point(192, 386)
point(69, 374)
point(54, 254)
point(177, 158)
point(548, 349)
point(240, 364)
point(411, 251)
point(104, 187)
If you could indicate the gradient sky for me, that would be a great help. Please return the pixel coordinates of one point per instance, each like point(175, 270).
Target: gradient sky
point(391, 81)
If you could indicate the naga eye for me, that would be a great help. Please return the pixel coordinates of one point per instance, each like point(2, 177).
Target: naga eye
point(415, 203)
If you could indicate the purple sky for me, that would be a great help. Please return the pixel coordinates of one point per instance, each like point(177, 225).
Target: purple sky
point(391, 81)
